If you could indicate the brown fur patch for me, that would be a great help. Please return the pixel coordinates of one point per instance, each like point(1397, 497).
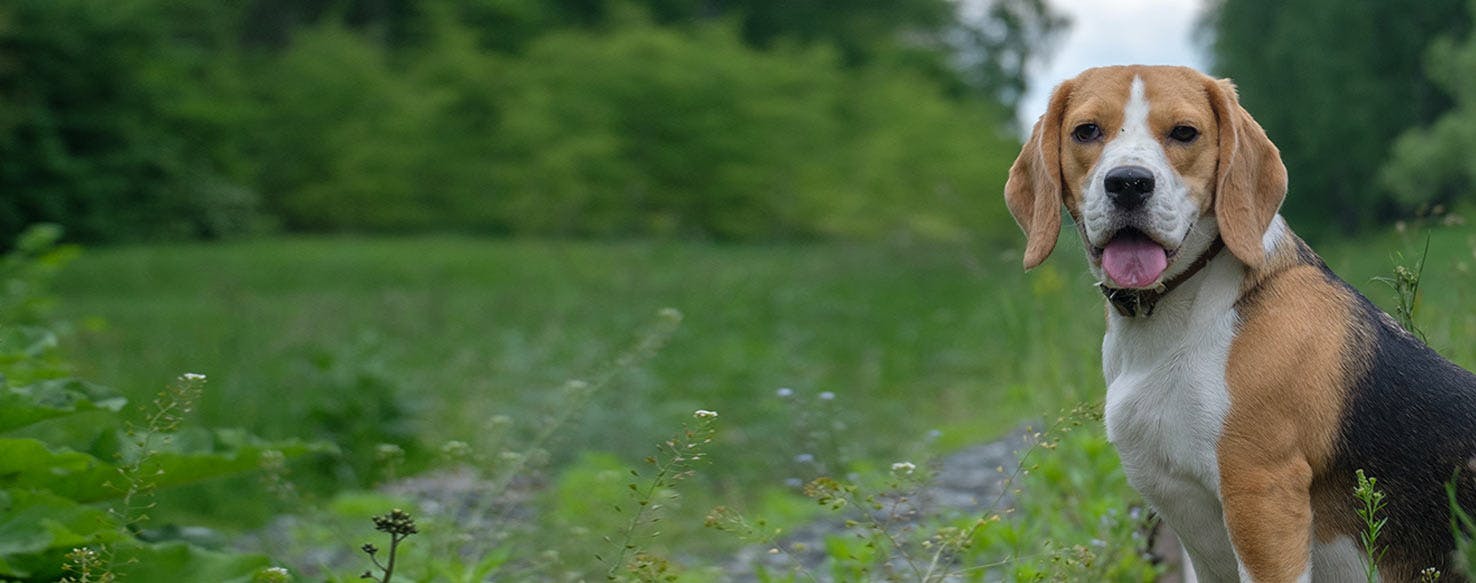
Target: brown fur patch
point(1033, 190)
point(1287, 376)
point(1251, 178)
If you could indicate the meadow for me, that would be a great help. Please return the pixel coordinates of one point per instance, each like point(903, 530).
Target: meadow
point(821, 359)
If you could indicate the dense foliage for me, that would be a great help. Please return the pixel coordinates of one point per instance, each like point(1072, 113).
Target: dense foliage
point(79, 469)
point(1433, 164)
point(113, 123)
point(1334, 84)
point(147, 119)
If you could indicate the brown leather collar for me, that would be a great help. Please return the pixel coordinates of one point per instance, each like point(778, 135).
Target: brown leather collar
point(1132, 302)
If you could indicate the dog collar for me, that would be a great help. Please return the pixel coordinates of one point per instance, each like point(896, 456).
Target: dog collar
point(1132, 302)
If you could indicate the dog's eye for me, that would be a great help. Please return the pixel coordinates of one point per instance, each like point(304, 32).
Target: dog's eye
point(1087, 132)
point(1183, 134)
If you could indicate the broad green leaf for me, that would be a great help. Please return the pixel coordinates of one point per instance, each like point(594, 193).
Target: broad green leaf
point(22, 406)
point(176, 562)
point(30, 465)
point(193, 457)
point(36, 528)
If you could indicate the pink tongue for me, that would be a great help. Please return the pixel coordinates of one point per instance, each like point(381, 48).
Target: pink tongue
point(1134, 261)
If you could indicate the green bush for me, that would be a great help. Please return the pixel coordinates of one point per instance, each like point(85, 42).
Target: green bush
point(653, 131)
point(153, 119)
point(342, 137)
point(647, 130)
point(79, 476)
point(1432, 164)
point(1334, 84)
point(115, 125)
point(915, 162)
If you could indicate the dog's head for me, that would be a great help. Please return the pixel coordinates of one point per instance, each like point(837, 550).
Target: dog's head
point(1152, 163)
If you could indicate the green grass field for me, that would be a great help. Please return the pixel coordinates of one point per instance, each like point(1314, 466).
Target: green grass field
point(422, 341)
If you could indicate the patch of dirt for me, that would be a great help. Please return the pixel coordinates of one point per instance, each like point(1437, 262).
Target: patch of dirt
point(972, 482)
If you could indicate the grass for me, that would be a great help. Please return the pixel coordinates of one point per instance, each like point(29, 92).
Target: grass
point(418, 342)
point(462, 330)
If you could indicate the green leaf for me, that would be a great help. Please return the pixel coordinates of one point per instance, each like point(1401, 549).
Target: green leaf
point(22, 406)
point(36, 528)
point(175, 561)
point(192, 457)
point(30, 464)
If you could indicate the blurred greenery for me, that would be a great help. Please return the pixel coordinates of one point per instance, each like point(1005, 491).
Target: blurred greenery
point(424, 341)
point(1434, 164)
point(444, 334)
point(1335, 83)
point(744, 120)
point(162, 119)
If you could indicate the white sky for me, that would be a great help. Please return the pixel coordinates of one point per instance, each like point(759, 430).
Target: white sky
point(1116, 32)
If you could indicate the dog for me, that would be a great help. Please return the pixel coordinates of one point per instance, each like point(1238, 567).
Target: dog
point(1246, 383)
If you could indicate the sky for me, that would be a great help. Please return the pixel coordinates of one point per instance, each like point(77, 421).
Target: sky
point(1116, 32)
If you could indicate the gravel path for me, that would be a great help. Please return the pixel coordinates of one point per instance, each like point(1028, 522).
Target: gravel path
point(970, 482)
point(973, 481)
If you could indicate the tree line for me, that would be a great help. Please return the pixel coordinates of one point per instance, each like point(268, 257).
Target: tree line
point(148, 119)
point(1369, 101)
point(741, 119)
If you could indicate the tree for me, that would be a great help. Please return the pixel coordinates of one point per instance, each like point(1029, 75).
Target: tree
point(1334, 82)
point(115, 119)
point(1435, 164)
point(997, 46)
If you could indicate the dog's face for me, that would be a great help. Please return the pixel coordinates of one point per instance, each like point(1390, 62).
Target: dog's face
point(1152, 163)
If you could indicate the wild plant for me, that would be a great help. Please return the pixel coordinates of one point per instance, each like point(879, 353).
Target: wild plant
point(676, 460)
point(399, 525)
point(1405, 282)
point(473, 542)
point(1462, 526)
point(85, 565)
point(1371, 504)
point(888, 537)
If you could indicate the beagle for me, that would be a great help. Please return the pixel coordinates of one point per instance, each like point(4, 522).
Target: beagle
point(1246, 383)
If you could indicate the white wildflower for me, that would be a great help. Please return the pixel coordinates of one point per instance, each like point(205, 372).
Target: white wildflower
point(827, 396)
point(192, 376)
point(904, 467)
point(784, 392)
point(704, 414)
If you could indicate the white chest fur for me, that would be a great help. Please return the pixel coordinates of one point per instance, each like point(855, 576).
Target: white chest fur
point(1166, 404)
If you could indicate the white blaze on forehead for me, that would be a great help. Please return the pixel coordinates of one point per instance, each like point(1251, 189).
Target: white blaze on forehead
point(1136, 144)
point(1135, 115)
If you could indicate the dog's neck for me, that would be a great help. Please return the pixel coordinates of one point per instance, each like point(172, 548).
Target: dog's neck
point(1134, 303)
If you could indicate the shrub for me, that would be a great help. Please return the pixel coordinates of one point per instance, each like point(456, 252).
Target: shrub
point(78, 477)
point(117, 126)
point(653, 131)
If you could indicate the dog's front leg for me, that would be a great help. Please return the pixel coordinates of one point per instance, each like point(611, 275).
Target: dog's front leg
point(1265, 488)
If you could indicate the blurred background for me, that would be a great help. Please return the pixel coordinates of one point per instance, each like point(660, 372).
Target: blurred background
point(519, 242)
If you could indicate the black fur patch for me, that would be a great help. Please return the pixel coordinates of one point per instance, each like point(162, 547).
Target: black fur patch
point(1410, 422)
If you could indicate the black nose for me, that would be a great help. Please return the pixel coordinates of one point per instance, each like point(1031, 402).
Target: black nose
point(1128, 186)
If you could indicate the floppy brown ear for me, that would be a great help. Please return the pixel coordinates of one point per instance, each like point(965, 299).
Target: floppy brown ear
point(1033, 192)
point(1252, 180)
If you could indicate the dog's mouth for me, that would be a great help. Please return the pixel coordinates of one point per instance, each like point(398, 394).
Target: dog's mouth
point(1132, 259)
